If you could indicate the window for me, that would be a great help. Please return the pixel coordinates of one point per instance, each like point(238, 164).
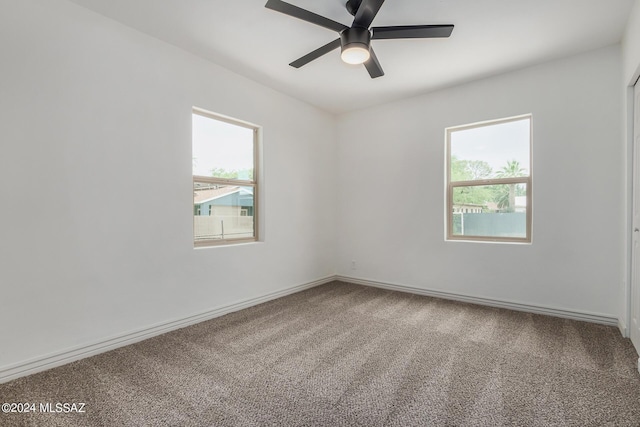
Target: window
point(225, 188)
point(489, 181)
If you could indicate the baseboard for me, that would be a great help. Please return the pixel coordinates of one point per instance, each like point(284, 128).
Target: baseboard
point(550, 311)
point(623, 328)
point(43, 363)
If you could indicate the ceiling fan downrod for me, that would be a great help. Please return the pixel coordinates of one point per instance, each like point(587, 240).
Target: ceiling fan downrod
point(352, 6)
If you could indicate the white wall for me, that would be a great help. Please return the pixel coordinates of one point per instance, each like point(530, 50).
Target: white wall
point(95, 130)
point(391, 165)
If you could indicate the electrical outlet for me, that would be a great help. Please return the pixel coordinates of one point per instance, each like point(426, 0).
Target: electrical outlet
point(353, 264)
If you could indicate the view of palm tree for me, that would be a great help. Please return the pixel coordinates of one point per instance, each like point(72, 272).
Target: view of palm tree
point(511, 170)
point(502, 195)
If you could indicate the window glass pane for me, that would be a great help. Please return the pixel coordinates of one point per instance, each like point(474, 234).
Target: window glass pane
point(492, 151)
point(222, 149)
point(222, 211)
point(490, 211)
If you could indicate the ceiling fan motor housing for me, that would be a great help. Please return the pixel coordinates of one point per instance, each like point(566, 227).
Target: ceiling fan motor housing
point(355, 37)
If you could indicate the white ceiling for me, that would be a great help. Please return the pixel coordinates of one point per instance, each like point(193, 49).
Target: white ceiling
point(490, 37)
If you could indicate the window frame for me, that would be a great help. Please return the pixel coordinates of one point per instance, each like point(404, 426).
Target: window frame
point(449, 186)
point(254, 183)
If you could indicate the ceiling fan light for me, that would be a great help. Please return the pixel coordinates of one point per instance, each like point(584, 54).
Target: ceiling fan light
point(355, 54)
point(355, 42)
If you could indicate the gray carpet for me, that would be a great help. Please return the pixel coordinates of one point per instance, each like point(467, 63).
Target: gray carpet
point(342, 354)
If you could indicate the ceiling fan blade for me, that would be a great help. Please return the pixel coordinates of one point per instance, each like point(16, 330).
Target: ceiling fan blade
point(373, 65)
point(316, 54)
point(412, 32)
point(367, 10)
point(305, 15)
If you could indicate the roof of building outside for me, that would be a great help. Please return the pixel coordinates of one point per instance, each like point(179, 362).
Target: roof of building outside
point(201, 196)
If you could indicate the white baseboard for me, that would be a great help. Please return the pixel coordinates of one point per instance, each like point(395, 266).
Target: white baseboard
point(550, 311)
point(623, 328)
point(38, 364)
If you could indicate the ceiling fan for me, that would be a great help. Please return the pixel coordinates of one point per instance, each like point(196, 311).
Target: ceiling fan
point(355, 41)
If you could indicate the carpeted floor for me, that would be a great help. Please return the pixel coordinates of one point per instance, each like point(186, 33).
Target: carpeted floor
point(342, 354)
